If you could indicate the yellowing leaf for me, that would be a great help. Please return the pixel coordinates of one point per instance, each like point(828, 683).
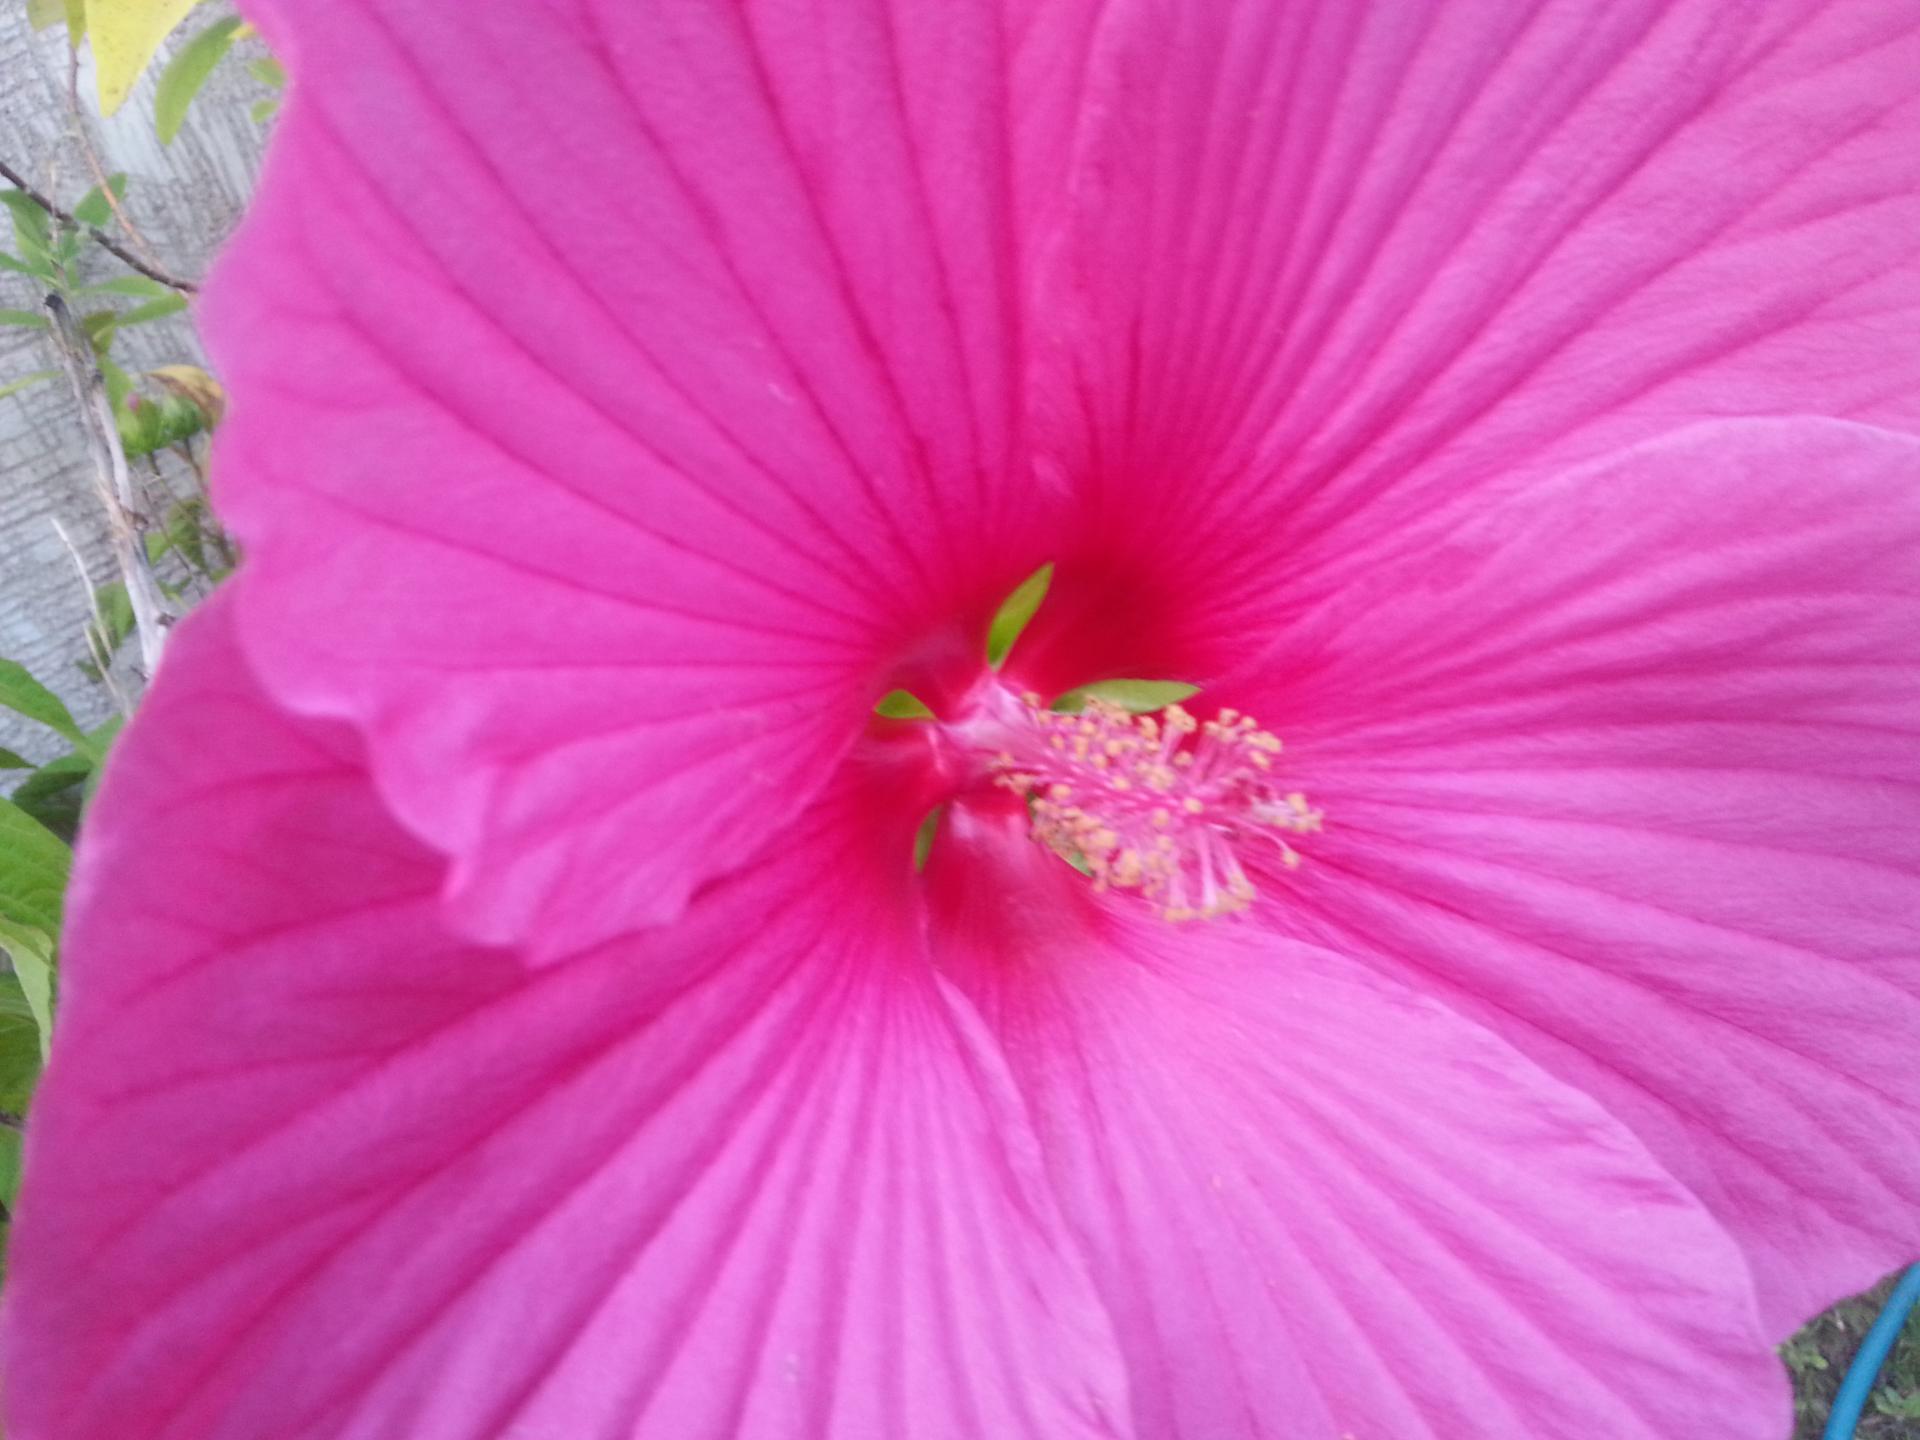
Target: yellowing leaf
point(196, 386)
point(125, 34)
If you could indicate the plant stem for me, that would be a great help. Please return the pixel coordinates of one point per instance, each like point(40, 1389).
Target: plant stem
point(114, 482)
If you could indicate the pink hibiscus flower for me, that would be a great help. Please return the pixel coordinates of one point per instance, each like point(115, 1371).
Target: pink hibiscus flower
point(501, 998)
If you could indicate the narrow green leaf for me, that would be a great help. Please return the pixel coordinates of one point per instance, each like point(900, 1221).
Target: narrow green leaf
point(98, 326)
point(1141, 697)
point(136, 285)
point(33, 870)
point(43, 13)
point(18, 266)
point(923, 837)
point(12, 760)
point(116, 616)
point(268, 71)
point(119, 383)
point(171, 304)
point(26, 319)
point(27, 382)
point(31, 953)
point(902, 705)
point(186, 73)
point(32, 237)
point(93, 208)
point(1014, 613)
point(24, 695)
point(262, 111)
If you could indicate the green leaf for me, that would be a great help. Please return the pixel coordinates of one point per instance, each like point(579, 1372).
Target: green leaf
point(30, 230)
point(10, 1139)
point(902, 705)
point(53, 794)
point(1140, 697)
point(19, 1047)
point(27, 382)
point(186, 532)
point(33, 870)
point(24, 695)
point(1014, 613)
point(98, 326)
point(152, 310)
point(119, 383)
point(10, 760)
point(148, 425)
point(268, 71)
point(26, 319)
point(142, 430)
point(116, 618)
point(31, 953)
point(136, 285)
point(19, 267)
point(41, 14)
point(93, 208)
point(923, 837)
point(262, 111)
point(187, 72)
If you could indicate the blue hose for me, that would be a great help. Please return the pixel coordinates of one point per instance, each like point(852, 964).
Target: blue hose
point(1872, 1354)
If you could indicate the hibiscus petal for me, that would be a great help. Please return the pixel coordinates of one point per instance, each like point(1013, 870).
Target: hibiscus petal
point(611, 382)
point(1321, 1206)
point(1335, 252)
point(1630, 769)
point(305, 1166)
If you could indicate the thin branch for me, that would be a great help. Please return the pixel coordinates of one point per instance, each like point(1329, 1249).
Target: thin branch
point(83, 133)
point(99, 237)
point(114, 482)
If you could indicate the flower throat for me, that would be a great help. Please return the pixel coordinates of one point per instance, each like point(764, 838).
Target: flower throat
point(1118, 779)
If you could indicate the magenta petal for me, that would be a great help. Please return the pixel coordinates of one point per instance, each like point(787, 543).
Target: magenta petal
point(305, 1167)
point(1629, 768)
point(611, 382)
point(1323, 1207)
point(1333, 251)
